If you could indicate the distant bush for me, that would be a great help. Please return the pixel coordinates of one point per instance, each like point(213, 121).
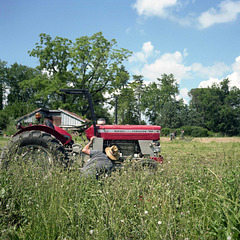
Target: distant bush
point(165, 131)
point(4, 120)
point(195, 131)
point(199, 132)
point(10, 128)
point(191, 131)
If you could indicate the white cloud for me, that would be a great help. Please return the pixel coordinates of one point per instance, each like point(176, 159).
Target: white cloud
point(184, 92)
point(153, 7)
point(142, 56)
point(167, 63)
point(147, 47)
point(227, 12)
point(216, 70)
point(234, 77)
point(209, 83)
point(171, 63)
point(184, 95)
point(151, 65)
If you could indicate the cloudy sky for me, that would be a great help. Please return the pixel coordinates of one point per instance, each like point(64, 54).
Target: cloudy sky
point(196, 40)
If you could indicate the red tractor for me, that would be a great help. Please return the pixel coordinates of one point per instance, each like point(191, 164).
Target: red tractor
point(47, 145)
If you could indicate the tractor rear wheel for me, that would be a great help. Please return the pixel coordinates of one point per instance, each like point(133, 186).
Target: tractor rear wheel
point(35, 148)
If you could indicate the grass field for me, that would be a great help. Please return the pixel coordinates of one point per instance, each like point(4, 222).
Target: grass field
point(195, 194)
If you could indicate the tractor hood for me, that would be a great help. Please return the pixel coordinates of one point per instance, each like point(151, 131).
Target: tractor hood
point(125, 132)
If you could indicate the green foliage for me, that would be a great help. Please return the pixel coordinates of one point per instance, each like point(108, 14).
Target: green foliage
point(166, 131)
point(129, 102)
point(90, 63)
point(95, 64)
point(195, 131)
point(10, 128)
point(217, 107)
point(191, 131)
point(159, 102)
point(4, 119)
point(17, 74)
point(193, 195)
point(171, 114)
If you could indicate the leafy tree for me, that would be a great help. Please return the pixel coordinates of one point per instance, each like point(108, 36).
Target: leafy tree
point(151, 102)
point(156, 95)
point(172, 114)
point(18, 100)
point(17, 74)
point(127, 107)
point(218, 106)
point(138, 87)
point(90, 63)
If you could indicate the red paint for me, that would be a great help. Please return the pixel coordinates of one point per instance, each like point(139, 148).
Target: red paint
point(63, 136)
point(158, 159)
point(125, 132)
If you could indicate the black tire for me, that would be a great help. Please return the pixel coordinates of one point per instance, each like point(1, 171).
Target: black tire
point(149, 164)
point(35, 147)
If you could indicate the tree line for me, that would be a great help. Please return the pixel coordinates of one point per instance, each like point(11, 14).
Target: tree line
point(96, 64)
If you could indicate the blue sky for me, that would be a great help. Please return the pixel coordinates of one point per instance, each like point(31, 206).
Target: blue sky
point(196, 40)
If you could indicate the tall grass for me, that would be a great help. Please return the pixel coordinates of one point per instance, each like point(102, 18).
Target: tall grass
point(193, 195)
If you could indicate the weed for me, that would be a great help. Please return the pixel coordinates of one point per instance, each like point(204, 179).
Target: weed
point(193, 195)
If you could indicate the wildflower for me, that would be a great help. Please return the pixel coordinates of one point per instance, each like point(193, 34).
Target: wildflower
point(229, 238)
point(146, 212)
point(122, 220)
point(159, 222)
point(91, 231)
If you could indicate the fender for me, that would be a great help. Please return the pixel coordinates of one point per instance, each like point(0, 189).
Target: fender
point(63, 136)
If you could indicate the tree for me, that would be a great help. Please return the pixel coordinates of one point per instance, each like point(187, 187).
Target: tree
point(90, 63)
point(127, 107)
point(218, 106)
point(158, 94)
point(138, 87)
point(172, 114)
point(17, 74)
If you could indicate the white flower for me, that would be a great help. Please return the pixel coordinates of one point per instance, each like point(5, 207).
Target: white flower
point(122, 221)
point(159, 222)
point(229, 238)
point(146, 212)
point(91, 231)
